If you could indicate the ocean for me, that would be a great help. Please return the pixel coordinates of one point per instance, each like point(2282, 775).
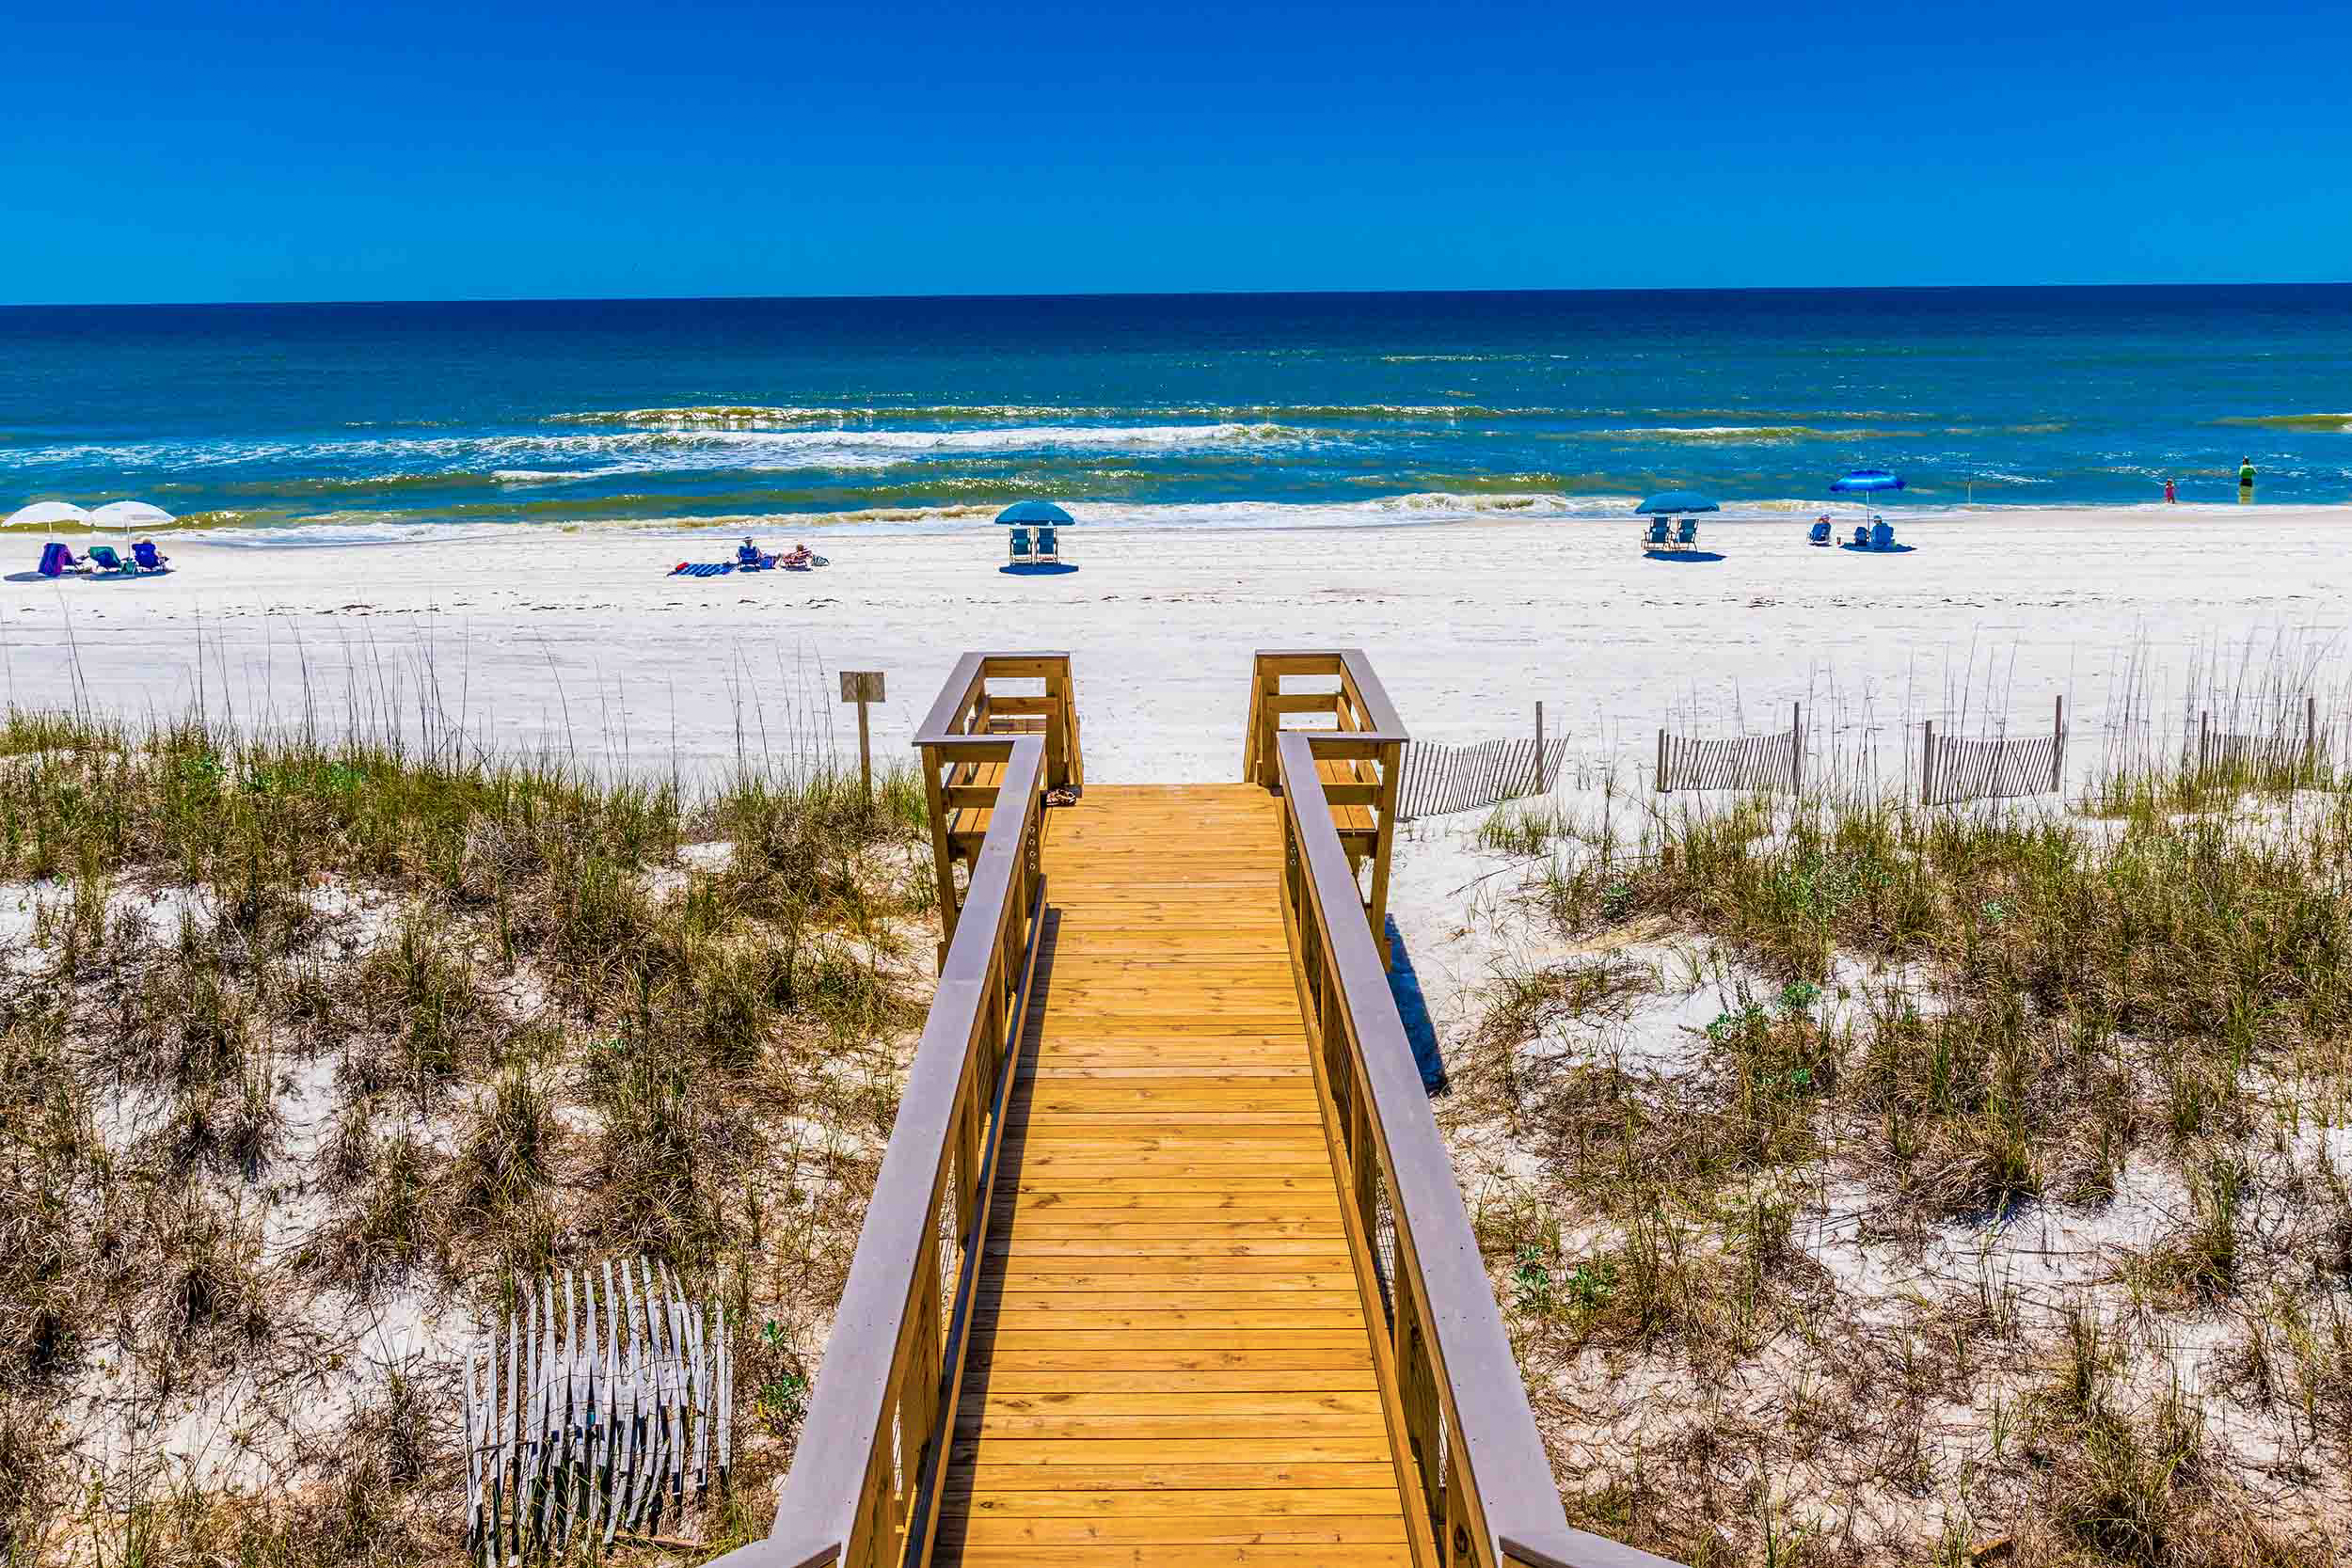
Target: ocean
point(317, 423)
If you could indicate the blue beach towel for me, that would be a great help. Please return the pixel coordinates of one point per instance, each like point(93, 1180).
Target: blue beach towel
point(702, 569)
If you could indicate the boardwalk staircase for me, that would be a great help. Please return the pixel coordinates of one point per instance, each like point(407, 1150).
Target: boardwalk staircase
point(1166, 1265)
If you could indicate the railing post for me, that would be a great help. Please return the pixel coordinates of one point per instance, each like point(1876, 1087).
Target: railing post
point(1391, 757)
point(2057, 748)
point(1657, 779)
point(1796, 749)
point(1926, 762)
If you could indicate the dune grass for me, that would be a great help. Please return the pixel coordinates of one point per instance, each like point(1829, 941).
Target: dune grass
point(1937, 1026)
point(308, 1032)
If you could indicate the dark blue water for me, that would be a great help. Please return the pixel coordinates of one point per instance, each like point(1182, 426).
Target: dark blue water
point(323, 422)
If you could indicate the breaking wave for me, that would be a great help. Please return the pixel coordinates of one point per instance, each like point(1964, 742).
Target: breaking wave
point(2340, 423)
point(1733, 433)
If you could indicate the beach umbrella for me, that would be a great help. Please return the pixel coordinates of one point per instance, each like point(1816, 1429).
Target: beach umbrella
point(46, 515)
point(131, 516)
point(1025, 514)
point(1865, 483)
point(1676, 501)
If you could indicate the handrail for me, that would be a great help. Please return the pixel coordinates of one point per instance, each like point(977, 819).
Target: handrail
point(864, 1477)
point(1365, 747)
point(964, 731)
point(1487, 1484)
point(1361, 703)
point(965, 709)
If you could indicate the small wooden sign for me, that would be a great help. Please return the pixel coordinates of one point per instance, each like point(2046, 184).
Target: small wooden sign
point(862, 686)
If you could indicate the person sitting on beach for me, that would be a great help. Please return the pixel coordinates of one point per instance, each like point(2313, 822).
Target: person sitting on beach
point(747, 553)
point(799, 556)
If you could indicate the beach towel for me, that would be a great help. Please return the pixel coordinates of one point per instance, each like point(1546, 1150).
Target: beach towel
point(702, 569)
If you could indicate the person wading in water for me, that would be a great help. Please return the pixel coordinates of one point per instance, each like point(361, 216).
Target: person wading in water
point(2246, 479)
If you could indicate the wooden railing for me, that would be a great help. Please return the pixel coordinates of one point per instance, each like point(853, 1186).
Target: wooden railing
point(1358, 754)
point(864, 1488)
point(1477, 1462)
point(960, 767)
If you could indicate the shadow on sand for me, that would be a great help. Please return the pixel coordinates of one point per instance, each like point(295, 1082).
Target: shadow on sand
point(1414, 1009)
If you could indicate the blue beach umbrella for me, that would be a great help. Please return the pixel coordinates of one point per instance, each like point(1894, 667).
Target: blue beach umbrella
point(1023, 513)
point(1865, 483)
point(1674, 502)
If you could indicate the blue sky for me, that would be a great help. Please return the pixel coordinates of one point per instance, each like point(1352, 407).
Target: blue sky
point(281, 150)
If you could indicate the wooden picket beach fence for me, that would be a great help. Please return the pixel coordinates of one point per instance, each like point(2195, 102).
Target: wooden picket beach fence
point(1440, 779)
point(1748, 762)
point(2283, 751)
point(584, 1426)
point(1953, 769)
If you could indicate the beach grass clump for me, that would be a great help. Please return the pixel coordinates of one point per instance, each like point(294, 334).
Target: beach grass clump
point(311, 1034)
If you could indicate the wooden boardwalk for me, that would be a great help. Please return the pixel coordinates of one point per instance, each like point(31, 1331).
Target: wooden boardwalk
point(1171, 1364)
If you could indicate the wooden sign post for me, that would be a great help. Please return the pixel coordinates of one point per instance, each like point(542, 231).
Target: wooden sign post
point(862, 686)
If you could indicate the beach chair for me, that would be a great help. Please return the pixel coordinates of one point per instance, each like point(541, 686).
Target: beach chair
point(1048, 544)
point(1686, 537)
point(56, 560)
point(1656, 538)
point(1021, 546)
point(1819, 533)
point(1862, 536)
point(148, 557)
point(104, 557)
point(1881, 535)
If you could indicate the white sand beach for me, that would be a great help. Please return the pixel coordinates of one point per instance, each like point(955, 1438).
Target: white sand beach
point(576, 641)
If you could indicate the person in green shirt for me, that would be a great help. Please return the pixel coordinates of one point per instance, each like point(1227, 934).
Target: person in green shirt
point(2245, 473)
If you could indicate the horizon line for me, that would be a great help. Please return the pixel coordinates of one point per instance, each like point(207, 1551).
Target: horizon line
point(1154, 294)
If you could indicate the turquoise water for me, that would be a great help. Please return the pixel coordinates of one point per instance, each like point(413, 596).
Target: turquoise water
point(311, 424)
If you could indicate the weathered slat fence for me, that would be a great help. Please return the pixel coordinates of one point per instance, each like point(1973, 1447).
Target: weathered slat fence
point(2281, 751)
point(1748, 762)
point(1960, 768)
point(1442, 779)
point(584, 1424)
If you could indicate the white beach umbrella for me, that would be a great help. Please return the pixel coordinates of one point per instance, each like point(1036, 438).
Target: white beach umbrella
point(48, 514)
point(131, 516)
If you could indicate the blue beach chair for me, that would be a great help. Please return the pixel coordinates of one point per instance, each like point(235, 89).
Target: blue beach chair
point(148, 557)
point(1819, 533)
point(1862, 536)
point(56, 560)
point(1048, 542)
point(1020, 545)
point(1656, 538)
point(1686, 537)
point(108, 564)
